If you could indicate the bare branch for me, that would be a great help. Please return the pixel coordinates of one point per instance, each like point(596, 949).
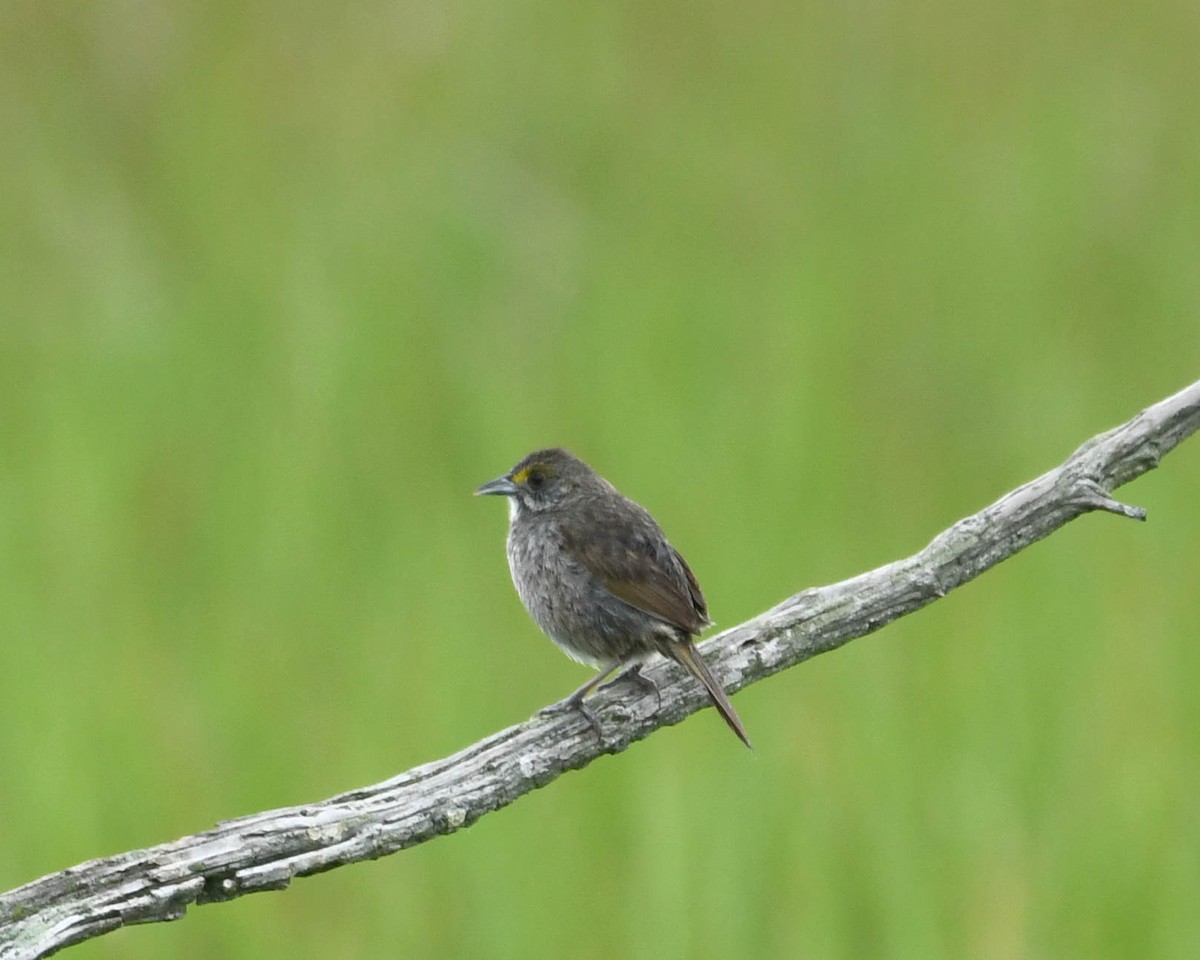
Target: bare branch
point(266, 850)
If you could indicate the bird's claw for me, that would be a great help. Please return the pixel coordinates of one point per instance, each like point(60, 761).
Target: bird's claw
point(635, 674)
point(572, 704)
point(590, 716)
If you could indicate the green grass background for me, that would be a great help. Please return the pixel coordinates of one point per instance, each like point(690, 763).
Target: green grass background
point(280, 284)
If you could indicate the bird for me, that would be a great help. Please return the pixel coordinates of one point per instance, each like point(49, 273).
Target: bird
point(599, 577)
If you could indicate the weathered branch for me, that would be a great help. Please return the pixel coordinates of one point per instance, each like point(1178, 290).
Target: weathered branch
point(266, 850)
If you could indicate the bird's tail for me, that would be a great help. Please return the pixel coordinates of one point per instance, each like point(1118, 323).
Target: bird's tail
point(685, 653)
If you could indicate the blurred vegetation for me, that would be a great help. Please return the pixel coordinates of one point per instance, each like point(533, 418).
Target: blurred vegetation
point(280, 284)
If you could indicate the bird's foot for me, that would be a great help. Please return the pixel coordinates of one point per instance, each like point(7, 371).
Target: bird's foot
point(590, 716)
point(635, 674)
point(574, 703)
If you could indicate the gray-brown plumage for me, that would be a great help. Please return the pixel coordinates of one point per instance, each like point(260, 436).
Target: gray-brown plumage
point(598, 575)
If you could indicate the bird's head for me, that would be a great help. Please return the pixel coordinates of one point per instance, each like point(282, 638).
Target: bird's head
point(543, 479)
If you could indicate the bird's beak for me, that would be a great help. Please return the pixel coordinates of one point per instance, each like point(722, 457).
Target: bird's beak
point(501, 485)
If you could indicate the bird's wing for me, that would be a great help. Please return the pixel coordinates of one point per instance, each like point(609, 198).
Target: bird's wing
point(698, 601)
point(638, 566)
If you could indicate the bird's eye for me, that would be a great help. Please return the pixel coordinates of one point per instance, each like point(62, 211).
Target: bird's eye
point(536, 478)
